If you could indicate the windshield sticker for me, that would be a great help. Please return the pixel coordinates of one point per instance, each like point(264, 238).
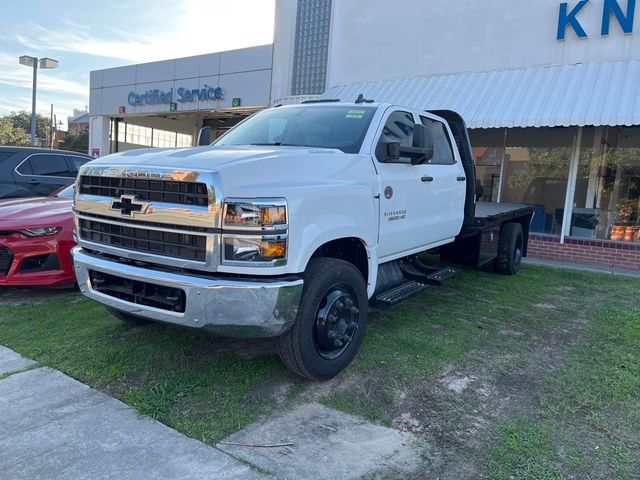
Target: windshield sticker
point(357, 114)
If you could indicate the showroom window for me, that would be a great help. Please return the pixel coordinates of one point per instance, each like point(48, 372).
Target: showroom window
point(488, 152)
point(607, 190)
point(536, 169)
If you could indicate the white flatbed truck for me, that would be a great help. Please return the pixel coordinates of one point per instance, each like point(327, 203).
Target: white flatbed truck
point(291, 225)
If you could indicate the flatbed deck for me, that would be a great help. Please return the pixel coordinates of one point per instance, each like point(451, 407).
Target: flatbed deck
point(477, 243)
point(492, 213)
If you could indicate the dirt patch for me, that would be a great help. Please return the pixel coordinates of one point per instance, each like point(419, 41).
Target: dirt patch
point(457, 406)
point(273, 390)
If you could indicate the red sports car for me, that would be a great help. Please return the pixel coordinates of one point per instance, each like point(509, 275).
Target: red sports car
point(36, 236)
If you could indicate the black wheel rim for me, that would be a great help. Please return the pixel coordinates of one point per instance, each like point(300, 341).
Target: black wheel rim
point(336, 321)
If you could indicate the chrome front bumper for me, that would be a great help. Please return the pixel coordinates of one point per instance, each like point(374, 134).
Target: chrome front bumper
point(228, 307)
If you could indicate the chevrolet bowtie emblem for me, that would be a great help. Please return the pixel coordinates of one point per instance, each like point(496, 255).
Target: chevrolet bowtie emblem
point(128, 205)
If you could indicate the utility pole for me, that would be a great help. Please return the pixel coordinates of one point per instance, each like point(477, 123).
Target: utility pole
point(33, 102)
point(51, 129)
point(28, 61)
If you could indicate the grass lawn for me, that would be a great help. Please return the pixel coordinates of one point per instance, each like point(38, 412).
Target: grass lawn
point(533, 376)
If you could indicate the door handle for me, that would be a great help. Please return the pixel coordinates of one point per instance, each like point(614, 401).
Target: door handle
point(427, 179)
point(462, 179)
point(33, 182)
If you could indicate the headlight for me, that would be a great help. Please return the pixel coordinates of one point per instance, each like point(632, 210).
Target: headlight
point(258, 249)
point(40, 232)
point(261, 213)
point(255, 231)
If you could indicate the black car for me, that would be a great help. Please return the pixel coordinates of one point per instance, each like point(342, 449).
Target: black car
point(31, 172)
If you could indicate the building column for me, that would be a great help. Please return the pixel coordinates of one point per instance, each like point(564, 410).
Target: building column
point(597, 162)
point(502, 166)
point(571, 186)
point(99, 135)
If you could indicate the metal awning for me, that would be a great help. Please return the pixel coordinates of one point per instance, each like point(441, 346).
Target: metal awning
point(579, 95)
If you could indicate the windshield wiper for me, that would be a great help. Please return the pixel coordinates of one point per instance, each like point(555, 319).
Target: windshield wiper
point(280, 144)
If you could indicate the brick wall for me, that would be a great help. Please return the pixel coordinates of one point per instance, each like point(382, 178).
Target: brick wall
point(624, 255)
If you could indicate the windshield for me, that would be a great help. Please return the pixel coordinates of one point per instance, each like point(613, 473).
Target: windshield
point(324, 126)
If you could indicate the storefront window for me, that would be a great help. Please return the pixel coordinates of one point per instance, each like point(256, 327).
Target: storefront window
point(536, 171)
point(132, 136)
point(607, 198)
point(488, 152)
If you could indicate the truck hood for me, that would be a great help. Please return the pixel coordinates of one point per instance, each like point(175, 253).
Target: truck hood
point(204, 158)
point(20, 213)
point(254, 170)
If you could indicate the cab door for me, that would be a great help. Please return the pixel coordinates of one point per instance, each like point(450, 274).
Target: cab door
point(421, 206)
point(449, 179)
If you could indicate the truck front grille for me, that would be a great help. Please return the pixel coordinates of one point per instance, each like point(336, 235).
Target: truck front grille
point(141, 293)
point(6, 258)
point(167, 191)
point(165, 243)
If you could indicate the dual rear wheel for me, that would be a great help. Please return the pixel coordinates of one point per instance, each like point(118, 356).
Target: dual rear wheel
point(510, 249)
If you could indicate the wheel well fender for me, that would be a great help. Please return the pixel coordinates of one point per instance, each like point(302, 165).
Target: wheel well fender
point(352, 250)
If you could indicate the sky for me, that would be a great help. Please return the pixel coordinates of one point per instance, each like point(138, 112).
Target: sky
point(88, 35)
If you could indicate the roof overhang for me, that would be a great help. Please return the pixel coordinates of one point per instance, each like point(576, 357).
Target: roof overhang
point(566, 95)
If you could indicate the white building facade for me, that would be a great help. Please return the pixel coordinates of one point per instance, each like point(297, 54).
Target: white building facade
point(550, 90)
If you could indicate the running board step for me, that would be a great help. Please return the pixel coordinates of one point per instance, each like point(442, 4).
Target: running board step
point(434, 277)
point(397, 294)
point(439, 277)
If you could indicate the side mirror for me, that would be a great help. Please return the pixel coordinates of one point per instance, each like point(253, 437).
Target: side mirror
point(422, 147)
point(388, 152)
point(204, 136)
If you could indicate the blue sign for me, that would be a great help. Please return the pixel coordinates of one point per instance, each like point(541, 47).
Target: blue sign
point(569, 18)
point(184, 95)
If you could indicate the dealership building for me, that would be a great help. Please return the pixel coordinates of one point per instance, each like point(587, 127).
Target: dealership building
point(550, 91)
point(164, 104)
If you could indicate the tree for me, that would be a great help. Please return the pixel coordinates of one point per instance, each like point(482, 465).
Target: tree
point(12, 135)
point(23, 120)
point(76, 141)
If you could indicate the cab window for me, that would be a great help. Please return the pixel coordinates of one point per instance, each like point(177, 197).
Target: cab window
point(442, 150)
point(399, 128)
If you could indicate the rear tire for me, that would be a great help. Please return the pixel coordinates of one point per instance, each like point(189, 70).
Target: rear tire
point(510, 248)
point(128, 318)
point(331, 320)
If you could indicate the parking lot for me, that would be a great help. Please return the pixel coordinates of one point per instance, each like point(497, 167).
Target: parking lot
point(533, 376)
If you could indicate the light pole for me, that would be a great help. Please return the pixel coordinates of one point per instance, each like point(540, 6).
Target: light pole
point(33, 62)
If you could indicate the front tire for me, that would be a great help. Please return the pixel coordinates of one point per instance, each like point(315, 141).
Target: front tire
point(331, 320)
point(510, 248)
point(128, 318)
